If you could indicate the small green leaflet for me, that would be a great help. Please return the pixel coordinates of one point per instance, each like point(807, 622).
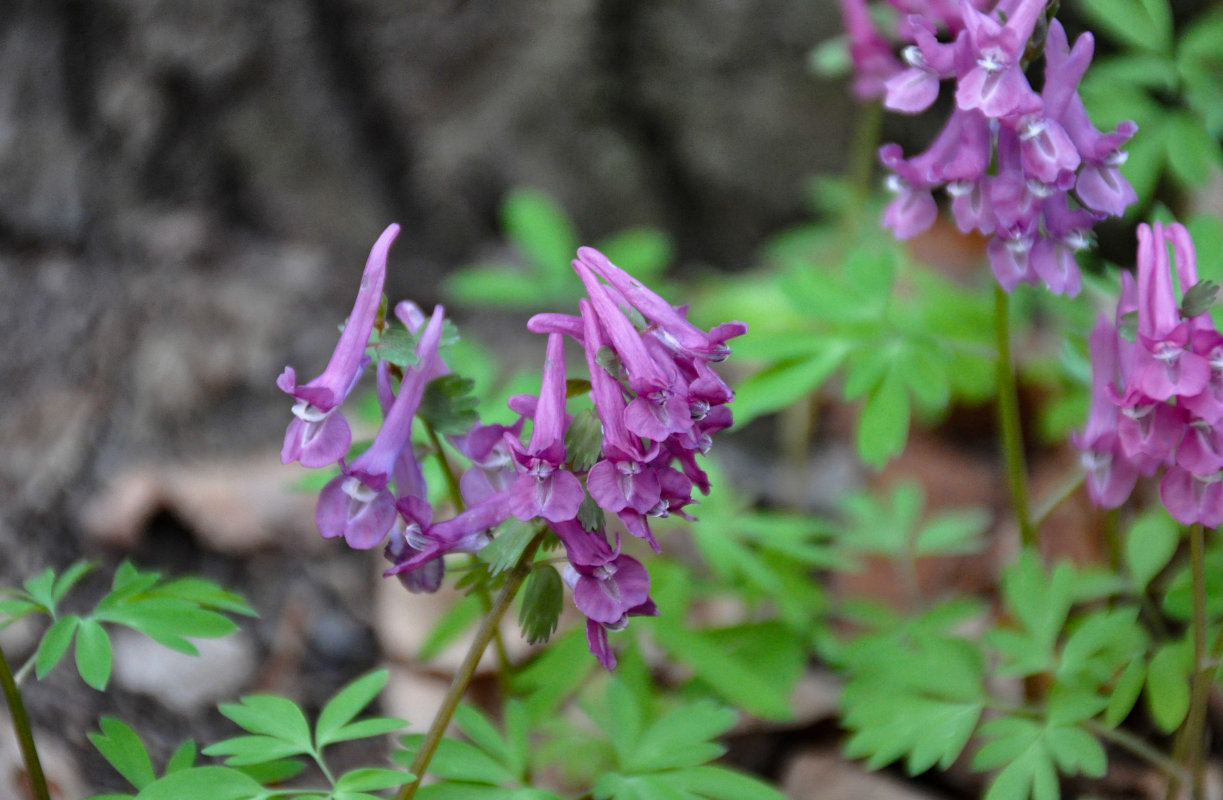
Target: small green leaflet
point(448, 405)
point(1031, 753)
point(122, 747)
point(542, 600)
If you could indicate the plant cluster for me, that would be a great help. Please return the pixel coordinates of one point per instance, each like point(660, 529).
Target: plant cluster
point(522, 487)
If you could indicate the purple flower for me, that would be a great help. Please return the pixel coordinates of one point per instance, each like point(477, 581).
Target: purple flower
point(1163, 387)
point(544, 488)
point(995, 83)
point(426, 541)
point(1111, 475)
point(357, 503)
point(319, 435)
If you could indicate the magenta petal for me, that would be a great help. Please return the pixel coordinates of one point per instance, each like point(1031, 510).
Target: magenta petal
point(1185, 375)
point(316, 444)
point(633, 581)
point(1055, 264)
point(1110, 477)
point(1192, 498)
point(555, 497)
point(596, 640)
point(604, 487)
point(656, 420)
point(598, 600)
point(362, 524)
point(911, 91)
point(911, 213)
point(1103, 188)
point(1201, 449)
point(562, 496)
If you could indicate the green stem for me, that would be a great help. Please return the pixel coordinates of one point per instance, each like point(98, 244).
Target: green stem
point(467, 669)
point(1060, 494)
point(1008, 417)
point(456, 499)
point(863, 157)
point(1136, 745)
point(25, 735)
point(1195, 722)
point(25, 669)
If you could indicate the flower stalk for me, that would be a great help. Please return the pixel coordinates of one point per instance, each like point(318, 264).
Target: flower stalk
point(467, 669)
point(1190, 745)
point(25, 735)
point(1008, 418)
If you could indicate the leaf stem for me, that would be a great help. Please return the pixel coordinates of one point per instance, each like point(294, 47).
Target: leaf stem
point(1136, 745)
point(25, 669)
point(481, 590)
point(1195, 722)
point(467, 669)
point(1061, 492)
point(25, 735)
point(1008, 418)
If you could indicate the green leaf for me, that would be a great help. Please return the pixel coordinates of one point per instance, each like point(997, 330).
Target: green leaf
point(719, 783)
point(1150, 544)
point(483, 734)
point(347, 703)
point(205, 594)
point(883, 425)
point(367, 728)
point(182, 758)
point(244, 750)
point(93, 654)
point(953, 533)
point(733, 678)
point(784, 383)
point(681, 737)
point(121, 746)
point(614, 786)
point(369, 779)
point(1192, 152)
point(584, 440)
point(493, 285)
point(41, 588)
point(830, 58)
point(55, 643)
point(1139, 24)
point(542, 601)
point(1125, 692)
point(642, 252)
point(215, 783)
point(457, 619)
point(398, 346)
point(69, 578)
point(448, 405)
point(456, 760)
point(1167, 685)
point(503, 552)
point(273, 716)
point(555, 674)
point(539, 227)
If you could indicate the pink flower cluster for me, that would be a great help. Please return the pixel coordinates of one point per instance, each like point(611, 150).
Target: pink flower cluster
point(1157, 396)
point(657, 402)
point(1027, 169)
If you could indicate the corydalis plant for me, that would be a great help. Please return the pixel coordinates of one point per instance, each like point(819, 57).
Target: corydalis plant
point(1157, 386)
point(656, 404)
point(1027, 169)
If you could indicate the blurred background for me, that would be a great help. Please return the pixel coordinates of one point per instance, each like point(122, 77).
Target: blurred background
point(188, 191)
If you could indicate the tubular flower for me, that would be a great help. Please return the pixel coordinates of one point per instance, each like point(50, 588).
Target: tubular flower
point(1055, 175)
point(319, 435)
point(656, 398)
point(1155, 398)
